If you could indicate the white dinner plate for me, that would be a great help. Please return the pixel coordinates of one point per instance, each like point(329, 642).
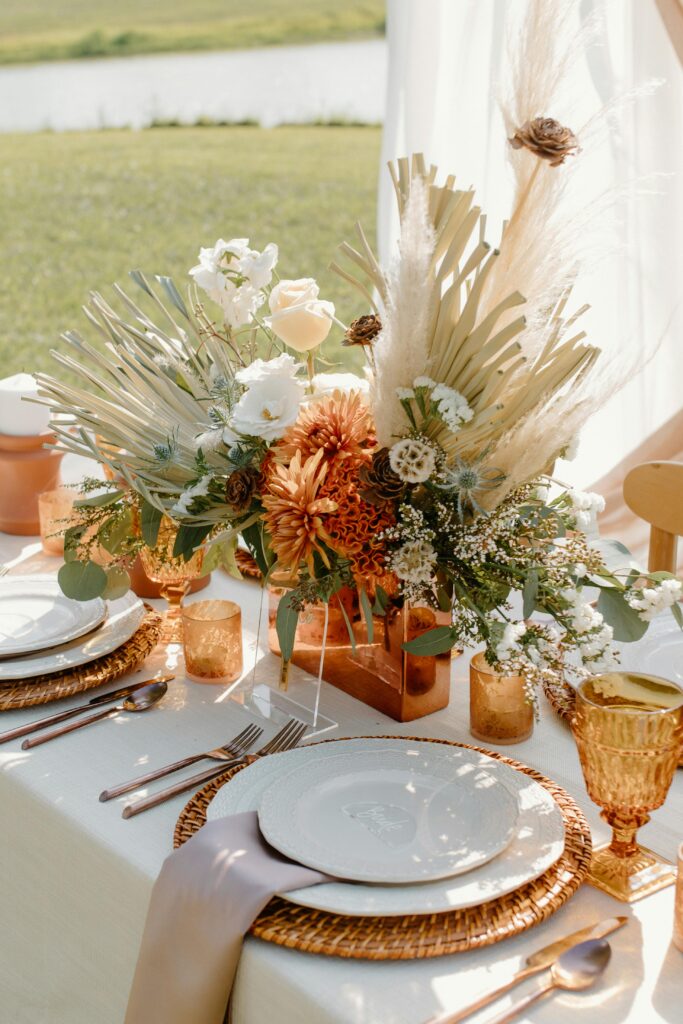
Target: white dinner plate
point(537, 843)
point(123, 619)
point(400, 814)
point(35, 615)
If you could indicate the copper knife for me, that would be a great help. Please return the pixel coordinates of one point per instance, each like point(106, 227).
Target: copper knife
point(61, 716)
point(535, 963)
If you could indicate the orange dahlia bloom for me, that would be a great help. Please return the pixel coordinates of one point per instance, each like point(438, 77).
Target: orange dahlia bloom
point(294, 509)
point(339, 424)
point(356, 524)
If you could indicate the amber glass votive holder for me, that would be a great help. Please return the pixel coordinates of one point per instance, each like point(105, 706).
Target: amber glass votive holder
point(500, 711)
point(212, 640)
point(56, 513)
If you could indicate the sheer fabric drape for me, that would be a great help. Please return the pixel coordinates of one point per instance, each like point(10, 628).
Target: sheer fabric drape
point(445, 66)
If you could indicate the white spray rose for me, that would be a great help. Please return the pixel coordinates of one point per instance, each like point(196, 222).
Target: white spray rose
point(268, 407)
point(298, 316)
point(233, 275)
point(283, 366)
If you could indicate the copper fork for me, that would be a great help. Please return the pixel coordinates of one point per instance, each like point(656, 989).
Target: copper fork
point(228, 752)
point(287, 738)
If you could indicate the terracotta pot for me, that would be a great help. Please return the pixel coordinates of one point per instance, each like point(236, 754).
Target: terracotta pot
point(26, 470)
point(401, 685)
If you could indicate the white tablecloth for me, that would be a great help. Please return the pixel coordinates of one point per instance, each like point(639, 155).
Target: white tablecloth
point(75, 877)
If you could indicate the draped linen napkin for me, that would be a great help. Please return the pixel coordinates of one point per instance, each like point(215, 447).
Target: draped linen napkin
point(206, 897)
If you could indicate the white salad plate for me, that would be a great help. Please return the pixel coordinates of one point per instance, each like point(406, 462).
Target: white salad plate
point(538, 841)
point(35, 615)
point(123, 618)
point(399, 814)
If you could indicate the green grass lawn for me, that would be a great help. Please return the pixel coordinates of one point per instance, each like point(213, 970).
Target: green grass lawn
point(81, 210)
point(37, 30)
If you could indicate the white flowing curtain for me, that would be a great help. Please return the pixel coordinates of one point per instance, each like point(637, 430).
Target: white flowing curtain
point(446, 60)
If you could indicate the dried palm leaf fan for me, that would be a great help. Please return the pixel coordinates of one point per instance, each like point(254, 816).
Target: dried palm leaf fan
point(439, 320)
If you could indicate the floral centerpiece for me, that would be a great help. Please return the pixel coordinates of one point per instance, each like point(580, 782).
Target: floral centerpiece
point(427, 480)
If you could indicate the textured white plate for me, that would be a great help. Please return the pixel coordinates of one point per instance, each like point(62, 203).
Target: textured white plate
point(403, 814)
point(659, 653)
point(123, 618)
point(537, 843)
point(35, 615)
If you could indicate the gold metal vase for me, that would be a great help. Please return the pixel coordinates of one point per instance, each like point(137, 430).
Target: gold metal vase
point(628, 730)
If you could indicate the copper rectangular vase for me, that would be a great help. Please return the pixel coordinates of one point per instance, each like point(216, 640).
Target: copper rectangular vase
point(379, 673)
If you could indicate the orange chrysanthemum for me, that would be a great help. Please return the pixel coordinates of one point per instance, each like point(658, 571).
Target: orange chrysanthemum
point(294, 509)
point(339, 424)
point(356, 524)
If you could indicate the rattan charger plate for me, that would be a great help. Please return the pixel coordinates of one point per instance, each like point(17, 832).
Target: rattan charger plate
point(419, 937)
point(46, 688)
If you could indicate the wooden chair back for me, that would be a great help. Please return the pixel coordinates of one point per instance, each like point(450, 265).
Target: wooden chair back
point(654, 491)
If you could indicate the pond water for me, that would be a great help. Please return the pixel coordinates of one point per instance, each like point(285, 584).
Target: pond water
point(287, 84)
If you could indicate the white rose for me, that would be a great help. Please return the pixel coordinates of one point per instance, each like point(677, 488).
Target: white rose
point(299, 317)
point(326, 383)
point(284, 366)
point(268, 407)
point(293, 293)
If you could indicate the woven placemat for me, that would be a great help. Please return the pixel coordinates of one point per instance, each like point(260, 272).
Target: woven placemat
point(126, 658)
point(426, 935)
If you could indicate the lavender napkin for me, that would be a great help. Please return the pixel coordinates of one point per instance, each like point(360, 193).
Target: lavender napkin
point(207, 895)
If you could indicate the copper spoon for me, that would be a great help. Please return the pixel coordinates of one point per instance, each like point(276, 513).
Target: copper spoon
point(578, 968)
point(141, 700)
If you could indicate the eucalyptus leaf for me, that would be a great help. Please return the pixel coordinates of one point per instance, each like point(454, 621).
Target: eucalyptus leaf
point(113, 535)
point(367, 613)
point(72, 538)
point(188, 539)
point(434, 641)
point(381, 601)
point(349, 627)
point(286, 621)
point(624, 620)
point(530, 594)
point(82, 581)
point(150, 521)
point(677, 613)
point(99, 500)
point(118, 583)
point(253, 538)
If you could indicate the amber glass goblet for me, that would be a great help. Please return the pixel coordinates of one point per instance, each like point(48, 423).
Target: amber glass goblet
point(628, 729)
point(173, 575)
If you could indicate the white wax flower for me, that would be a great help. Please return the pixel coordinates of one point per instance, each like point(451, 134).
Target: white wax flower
point(298, 316)
point(650, 601)
point(268, 407)
point(585, 506)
